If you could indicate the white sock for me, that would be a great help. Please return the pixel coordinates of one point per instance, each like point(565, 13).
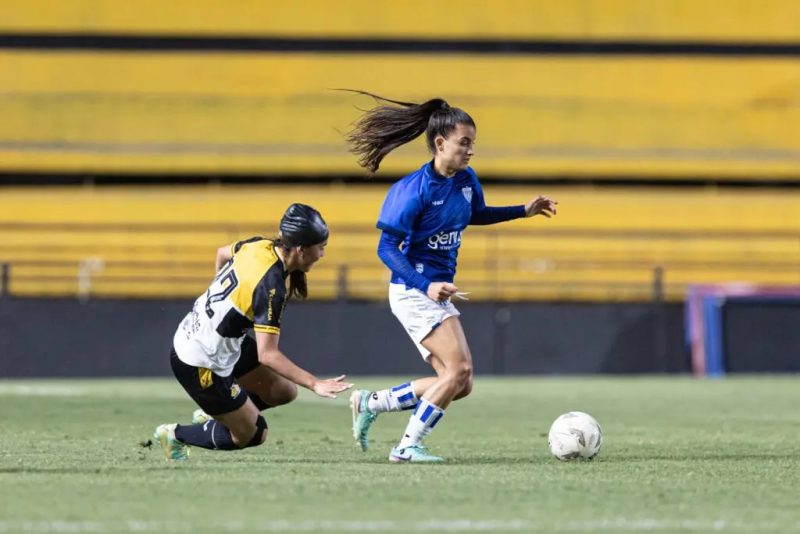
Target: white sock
point(421, 423)
point(394, 399)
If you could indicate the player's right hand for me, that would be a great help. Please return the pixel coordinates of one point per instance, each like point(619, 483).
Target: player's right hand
point(329, 388)
point(441, 291)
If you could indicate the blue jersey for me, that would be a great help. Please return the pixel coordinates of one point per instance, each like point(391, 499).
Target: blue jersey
point(429, 213)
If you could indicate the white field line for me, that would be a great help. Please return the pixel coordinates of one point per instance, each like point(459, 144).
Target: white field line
point(616, 524)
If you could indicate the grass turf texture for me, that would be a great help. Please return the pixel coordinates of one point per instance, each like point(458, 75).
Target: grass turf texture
point(679, 455)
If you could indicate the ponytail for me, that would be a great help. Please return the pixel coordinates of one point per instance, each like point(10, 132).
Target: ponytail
point(384, 128)
point(298, 284)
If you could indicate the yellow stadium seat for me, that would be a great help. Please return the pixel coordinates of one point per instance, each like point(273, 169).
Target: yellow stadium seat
point(604, 244)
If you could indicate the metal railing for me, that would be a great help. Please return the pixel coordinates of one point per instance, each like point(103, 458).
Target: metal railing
point(512, 264)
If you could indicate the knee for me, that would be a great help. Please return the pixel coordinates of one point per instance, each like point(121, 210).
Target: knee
point(260, 435)
point(259, 439)
point(466, 389)
point(464, 374)
point(278, 395)
point(461, 376)
point(284, 394)
point(289, 393)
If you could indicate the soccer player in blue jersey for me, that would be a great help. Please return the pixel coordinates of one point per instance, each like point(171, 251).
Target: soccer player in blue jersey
point(422, 220)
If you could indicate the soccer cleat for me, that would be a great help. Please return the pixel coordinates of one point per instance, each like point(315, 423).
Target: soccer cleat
point(174, 450)
point(199, 417)
point(363, 417)
point(413, 454)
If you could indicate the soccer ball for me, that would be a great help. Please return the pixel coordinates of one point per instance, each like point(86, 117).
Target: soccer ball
point(575, 435)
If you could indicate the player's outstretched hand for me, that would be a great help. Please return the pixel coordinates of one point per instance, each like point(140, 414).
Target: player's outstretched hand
point(330, 387)
point(541, 205)
point(441, 291)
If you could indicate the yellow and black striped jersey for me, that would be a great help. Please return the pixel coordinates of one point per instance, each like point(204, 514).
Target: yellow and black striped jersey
point(249, 291)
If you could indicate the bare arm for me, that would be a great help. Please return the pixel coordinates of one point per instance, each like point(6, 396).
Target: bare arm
point(223, 255)
point(270, 356)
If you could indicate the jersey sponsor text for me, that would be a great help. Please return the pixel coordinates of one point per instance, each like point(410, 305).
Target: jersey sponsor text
point(445, 240)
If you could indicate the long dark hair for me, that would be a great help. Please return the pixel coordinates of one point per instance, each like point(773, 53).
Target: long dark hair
point(298, 285)
point(384, 128)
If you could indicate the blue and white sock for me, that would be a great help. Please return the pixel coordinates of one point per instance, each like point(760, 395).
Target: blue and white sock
point(394, 399)
point(421, 423)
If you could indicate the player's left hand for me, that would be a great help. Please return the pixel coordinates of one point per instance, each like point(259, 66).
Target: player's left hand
point(541, 205)
point(330, 387)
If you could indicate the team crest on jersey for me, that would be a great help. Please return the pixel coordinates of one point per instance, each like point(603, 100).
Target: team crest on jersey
point(419, 268)
point(467, 192)
point(235, 390)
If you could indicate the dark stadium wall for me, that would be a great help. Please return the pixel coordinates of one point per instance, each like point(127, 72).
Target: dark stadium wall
point(761, 334)
point(67, 338)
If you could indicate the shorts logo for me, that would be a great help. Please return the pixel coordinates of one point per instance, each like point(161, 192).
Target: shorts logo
point(419, 268)
point(206, 377)
point(467, 192)
point(235, 390)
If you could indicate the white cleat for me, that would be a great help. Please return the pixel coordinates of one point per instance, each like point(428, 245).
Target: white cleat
point(199, 417)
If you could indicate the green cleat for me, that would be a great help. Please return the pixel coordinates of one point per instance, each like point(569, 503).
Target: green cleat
point(413, 454)
point(174, 450)
point(363, 417)
point(199, 417)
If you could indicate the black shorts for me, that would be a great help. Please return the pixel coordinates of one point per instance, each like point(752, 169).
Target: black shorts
point(213, 393)
point(248, 358)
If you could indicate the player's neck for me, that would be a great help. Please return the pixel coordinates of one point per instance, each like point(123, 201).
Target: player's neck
point(442, 170)
point(281, 256)
point(291, 259)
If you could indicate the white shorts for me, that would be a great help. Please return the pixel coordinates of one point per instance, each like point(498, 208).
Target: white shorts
point(418, 314)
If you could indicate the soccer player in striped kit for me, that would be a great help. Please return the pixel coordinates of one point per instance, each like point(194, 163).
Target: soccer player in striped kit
point(230, 376)
point(422, 220)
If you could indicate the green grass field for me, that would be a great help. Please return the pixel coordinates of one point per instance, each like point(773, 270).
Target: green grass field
point(680, 455)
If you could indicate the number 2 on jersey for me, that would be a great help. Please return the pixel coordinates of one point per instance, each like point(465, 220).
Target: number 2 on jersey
point(228, 281)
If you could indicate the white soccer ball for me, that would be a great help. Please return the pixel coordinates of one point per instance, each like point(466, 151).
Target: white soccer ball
point(575, 435)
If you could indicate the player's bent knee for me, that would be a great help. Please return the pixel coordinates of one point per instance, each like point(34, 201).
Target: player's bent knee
point(465, 390)
point(288, 393)
point(283, 393)
point(261, 433)
point(463, 374)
